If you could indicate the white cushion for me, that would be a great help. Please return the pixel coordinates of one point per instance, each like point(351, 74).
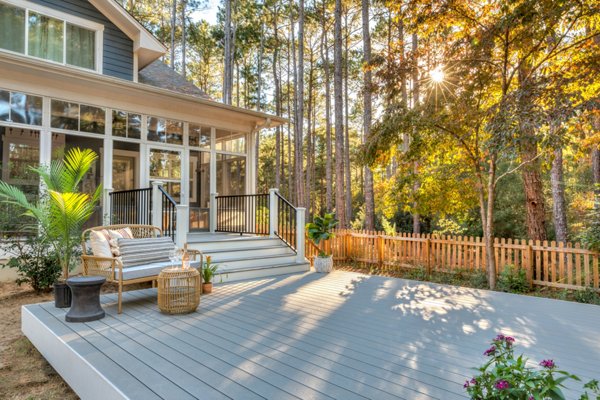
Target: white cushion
point(100, 245)
point(144, 271)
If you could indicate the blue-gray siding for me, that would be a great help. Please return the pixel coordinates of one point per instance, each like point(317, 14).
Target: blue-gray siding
point(118, 48)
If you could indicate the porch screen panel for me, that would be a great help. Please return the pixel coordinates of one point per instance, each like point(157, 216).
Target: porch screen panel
point(45, 37)
point(231, 174)
point(12, 31)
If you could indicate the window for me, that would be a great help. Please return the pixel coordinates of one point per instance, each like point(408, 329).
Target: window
point(35, 34)
point(165, 131)
point(230, 141)
point(75, 117)
point(231, 174)
point(126, 124)
point(199, 136)
point(12, 34)
point(20, 108)
point(165, 164)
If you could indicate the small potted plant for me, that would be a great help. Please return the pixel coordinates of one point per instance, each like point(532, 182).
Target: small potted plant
point(208, 272)
point(319, 230)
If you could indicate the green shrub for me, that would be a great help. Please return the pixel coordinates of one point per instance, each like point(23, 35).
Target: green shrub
point(479, 280)
point(513, 280)
point(35, 260)
point(417, 274)
point(587, 295)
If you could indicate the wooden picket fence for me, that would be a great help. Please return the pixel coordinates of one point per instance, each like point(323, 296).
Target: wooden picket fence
point(547, 263)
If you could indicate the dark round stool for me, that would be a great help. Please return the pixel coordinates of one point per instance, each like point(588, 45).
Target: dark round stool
point(85, 305)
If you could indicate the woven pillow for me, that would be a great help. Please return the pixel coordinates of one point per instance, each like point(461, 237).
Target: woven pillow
point(121, 233)
point(134, 252)
point(99, 241)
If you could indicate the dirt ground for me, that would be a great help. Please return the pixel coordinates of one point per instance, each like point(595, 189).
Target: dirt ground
point(24, 373)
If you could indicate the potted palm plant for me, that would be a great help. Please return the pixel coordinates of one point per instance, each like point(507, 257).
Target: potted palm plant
point(61, 210)
point(319, 230)
point(208, 272)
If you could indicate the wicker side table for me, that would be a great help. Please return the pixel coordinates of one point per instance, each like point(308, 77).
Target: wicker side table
point(178, 290)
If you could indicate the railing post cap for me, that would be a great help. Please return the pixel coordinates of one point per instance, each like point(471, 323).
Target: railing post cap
point(182, 206)
point(301, 209)
point(157, 183)
point(273, 190)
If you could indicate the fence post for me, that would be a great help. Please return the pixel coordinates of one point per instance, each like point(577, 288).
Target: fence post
point(380, 251)
point(273, 212)
point(157, 217)
point(300, 234)
point(181, 225)
point(212, 213)
point(529, 264)
point(428, 250)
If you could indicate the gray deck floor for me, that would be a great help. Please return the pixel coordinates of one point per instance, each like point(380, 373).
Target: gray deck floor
point(342, 335)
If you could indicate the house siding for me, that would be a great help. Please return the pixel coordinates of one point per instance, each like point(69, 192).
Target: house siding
point(117, 57)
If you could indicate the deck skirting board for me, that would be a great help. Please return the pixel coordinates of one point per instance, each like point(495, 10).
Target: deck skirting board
point(79, 374)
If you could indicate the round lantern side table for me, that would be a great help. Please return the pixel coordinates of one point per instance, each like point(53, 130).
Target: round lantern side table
point(178, 290)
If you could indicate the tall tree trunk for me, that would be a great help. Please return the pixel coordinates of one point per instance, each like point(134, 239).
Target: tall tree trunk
point(183, 39)
point(277, 95)
point(487, 194)
point(532, 177)
point(309, 137)
point(259, 87)
point(347, 170)
point(291, 74)
point(328, 147)
point(367, 112)
point(416, 99)
point(595, 156)
point(339, 115)
point(173, 28)
point(228, 62)
point(299, 132)
point(558, 196)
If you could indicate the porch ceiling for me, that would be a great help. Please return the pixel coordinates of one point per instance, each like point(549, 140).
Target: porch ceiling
point(42, 78)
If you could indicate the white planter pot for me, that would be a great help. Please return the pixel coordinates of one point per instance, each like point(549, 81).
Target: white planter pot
point(323, 264)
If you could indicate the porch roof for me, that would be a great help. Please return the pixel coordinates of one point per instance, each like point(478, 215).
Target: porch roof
point(42, 78)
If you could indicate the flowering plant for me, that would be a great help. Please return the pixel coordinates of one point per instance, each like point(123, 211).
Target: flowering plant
point(507, 377)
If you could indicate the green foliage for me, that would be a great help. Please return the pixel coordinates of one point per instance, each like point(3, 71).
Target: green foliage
point(506, 377)
point(388, 228)
point(591, 236)
point(209, 270)
point(449, 227)
point(321, 228)
point(513, 280)
point(587, 295)
point(61, 214)
point(35, 260)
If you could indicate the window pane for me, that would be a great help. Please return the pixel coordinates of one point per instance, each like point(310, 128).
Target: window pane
point(12, 34)
point(165, 164)
point(45, 37)
point(199, 136)
point(174, 132)
point(92, 119)
point(26, 109)
point(156, 129)
point(4, 105)
point(119, 123)
point(229, 141)
point(65, 115)
point(80, 47)
point(134, 126)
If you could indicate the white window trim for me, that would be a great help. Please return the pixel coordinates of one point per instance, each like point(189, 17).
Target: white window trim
point(66, 18)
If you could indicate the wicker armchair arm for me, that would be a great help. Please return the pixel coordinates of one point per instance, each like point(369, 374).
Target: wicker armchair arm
point(100, 266)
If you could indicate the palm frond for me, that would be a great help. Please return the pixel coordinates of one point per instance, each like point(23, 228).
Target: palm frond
point(77, 163)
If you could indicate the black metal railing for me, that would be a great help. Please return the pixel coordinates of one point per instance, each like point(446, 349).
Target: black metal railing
point(243, 214)
point(169, 213)
point(131, 206)
point(286, 222)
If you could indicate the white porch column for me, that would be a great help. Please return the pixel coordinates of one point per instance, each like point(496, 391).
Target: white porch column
point(212, 213)
point(107, 210)
point(300, 221)
point(156, 204)
point(182, 226)
point(273, 212)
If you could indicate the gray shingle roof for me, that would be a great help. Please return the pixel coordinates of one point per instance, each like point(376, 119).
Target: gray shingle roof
point(161, 75)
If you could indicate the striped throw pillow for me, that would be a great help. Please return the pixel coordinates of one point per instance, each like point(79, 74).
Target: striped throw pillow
point(134, 252)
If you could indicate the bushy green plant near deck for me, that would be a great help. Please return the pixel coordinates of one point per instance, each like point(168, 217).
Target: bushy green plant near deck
point(586, 295)
point(513, 280)
point(506, 377)
point(321, 229)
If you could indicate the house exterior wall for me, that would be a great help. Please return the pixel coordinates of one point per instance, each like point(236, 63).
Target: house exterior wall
point(117, 53)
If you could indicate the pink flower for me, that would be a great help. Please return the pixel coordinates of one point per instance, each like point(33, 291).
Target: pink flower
point(501, 385)
point(548, 364)
point(499, 338)
point(491, 351)
point(466, 385)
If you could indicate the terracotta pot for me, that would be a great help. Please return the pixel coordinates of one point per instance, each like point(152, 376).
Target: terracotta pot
point(323, 264)
point(207, 288)
point(62, 295)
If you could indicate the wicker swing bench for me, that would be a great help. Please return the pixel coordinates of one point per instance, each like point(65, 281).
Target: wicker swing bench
point(114, 267)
